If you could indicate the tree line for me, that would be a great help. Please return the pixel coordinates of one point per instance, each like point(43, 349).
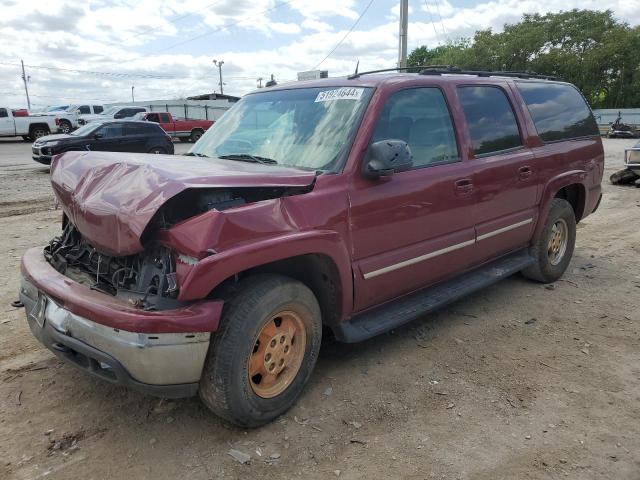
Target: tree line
point(590, 49)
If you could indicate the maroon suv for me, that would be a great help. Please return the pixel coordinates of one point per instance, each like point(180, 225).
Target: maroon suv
point(358, 204)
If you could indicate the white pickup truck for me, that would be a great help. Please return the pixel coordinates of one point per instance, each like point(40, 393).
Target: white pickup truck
point(68, 118)
point(29, 127)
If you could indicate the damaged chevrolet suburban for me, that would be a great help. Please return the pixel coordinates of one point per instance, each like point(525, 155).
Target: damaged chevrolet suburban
point(356, 204)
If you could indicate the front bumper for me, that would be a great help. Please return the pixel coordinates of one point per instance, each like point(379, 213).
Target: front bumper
point(160, 361)
point(41, 156)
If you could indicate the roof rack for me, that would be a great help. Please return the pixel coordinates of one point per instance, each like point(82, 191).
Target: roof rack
point(417, 69)
point(451, 69)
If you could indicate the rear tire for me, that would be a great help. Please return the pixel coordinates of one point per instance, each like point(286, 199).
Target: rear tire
point(37, 132)
point(65, 126)
point(195, 135)
point(554, 248)
point(236, 382)
point(184, 139)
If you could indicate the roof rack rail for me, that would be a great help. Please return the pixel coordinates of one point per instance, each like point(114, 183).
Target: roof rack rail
point(417, 68)
point(451, 69)
point(436, 70)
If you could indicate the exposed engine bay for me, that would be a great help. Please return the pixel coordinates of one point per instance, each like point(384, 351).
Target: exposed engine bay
point(147, 280)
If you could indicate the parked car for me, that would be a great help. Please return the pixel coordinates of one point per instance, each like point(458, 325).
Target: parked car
point(66, 119)
point(358, 204)
point(109, 136)
point(186, 129)
point(28, 127)
point(116, 113)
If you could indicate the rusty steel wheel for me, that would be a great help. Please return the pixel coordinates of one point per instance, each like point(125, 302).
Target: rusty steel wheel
point(264, 350)
point(553, 248)
point(277, 354)
point(558, 241)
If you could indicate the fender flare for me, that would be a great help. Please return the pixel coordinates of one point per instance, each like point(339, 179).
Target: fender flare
point(551, 188)
point(213, 270)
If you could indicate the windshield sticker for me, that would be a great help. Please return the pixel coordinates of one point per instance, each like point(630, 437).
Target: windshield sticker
point(346, 93)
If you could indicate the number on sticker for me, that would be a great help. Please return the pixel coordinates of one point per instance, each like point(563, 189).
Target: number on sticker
point(345, 93)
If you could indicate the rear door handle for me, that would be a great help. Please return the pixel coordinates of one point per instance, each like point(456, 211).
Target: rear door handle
point(524, 172)
point(464, 186)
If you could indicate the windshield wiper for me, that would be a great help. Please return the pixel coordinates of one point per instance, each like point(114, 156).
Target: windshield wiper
point(194, 154)
point(245, 157)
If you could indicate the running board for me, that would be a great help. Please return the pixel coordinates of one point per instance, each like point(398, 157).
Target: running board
point(410, 307)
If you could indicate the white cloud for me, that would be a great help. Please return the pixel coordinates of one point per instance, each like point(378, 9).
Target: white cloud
point(125, 37)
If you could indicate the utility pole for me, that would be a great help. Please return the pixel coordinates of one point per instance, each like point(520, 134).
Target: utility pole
point(402, 37)
point(133, 99)
point(26, 89)
point(219, 65)
point(260, 82)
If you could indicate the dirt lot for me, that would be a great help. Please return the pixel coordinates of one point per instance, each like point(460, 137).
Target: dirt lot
point(518, 381)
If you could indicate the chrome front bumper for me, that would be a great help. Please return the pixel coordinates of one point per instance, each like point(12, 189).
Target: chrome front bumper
point(163, 364)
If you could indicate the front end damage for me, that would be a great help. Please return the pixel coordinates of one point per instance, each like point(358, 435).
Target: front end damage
point(105, 295)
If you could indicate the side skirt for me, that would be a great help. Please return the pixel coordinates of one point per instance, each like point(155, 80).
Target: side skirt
point(410, 307)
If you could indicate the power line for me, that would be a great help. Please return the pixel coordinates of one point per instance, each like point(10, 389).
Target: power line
point(432, 22)
point(345, 36)
point(440, 16)
point(109, 74)
point(175, 20)
point(218, 29)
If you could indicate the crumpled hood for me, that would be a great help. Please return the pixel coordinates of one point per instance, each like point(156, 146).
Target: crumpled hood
point(111, 197)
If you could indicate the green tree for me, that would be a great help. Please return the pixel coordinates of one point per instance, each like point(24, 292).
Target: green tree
point(591, 49)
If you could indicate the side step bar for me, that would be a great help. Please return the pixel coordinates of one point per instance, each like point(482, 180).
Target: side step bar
point(410, 307)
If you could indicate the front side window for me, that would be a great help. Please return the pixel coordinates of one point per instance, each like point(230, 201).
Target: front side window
point(111, 130)
point(84, 109)
point(153, 117)
point(97, 109)
point(3, 112)
point(309, 128)
point(558, 111)
point(490, 119)
point(420, 117)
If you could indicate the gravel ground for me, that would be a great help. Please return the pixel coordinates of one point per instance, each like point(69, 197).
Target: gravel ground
point(518, 381)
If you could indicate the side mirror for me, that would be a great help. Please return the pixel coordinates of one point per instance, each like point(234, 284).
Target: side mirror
point(119, 115)
point(385, 157)
point(98, 135)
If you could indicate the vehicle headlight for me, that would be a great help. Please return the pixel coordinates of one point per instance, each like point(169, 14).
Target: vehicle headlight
point(51, 144)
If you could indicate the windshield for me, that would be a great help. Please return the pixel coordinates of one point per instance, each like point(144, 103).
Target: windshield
point(309, 128)
point(57, 109)
point(86, 129)
point(110, 111)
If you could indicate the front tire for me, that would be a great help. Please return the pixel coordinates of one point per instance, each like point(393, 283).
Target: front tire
point(264, 351)
point(195, 135)
point(65, 127)
point(554, 248)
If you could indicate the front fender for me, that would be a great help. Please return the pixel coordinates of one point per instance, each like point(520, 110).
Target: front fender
point(209, 272)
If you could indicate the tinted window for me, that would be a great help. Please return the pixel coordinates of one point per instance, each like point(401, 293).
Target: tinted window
point(164, 118)
point(133, 129)
point(84, 109)
point(558, 111)
point(97, 109)
point(111, 131)
point(3, 112)
point(420, 117)
point(153, 117)
point(492, 124)
point(136, 110)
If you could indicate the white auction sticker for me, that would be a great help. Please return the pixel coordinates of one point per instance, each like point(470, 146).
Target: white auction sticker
point(345, 93)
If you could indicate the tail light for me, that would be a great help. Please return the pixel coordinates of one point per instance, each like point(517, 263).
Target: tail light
point(57, 120)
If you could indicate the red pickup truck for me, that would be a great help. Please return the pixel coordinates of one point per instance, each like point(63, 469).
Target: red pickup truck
point(186, 129)
point(357, 204)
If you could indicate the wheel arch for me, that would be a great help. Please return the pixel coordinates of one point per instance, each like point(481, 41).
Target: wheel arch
point(568, 186)
point(318, 260)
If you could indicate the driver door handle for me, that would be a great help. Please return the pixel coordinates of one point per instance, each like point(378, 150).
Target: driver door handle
point(463, 186)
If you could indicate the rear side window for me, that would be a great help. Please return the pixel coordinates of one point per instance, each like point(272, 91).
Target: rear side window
point(490, 118)
point(84, 109)
point(133, 129)
point(420, 117)
point(3, 112)
point(153, 117)
point(97, 109)
point(112, 130)
point(558, 111)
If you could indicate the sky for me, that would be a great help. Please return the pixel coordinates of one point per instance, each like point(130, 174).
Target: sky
point(79, 51)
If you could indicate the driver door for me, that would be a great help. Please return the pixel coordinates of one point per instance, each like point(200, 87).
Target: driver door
point(111, 136)
point(415, 228)
point(7, 126)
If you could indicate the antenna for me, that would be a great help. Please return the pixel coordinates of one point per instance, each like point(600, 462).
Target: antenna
point(357, 65)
